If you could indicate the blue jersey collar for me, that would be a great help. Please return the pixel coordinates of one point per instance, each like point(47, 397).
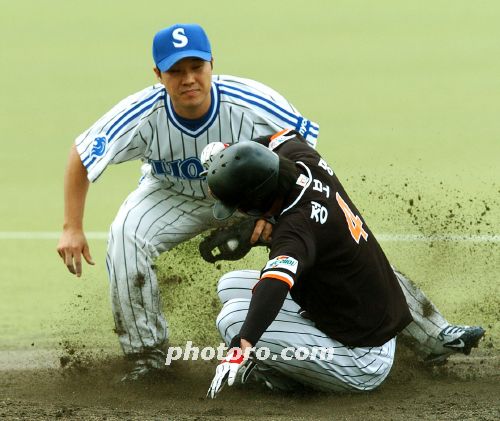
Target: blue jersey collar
point(195, 127)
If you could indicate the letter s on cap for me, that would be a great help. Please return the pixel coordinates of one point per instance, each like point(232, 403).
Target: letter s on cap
point(180, 38)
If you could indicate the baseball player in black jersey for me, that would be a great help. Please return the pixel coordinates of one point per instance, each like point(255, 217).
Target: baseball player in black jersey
point(327, 284)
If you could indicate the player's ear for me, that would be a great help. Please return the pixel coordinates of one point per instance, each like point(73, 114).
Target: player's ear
point(212, 63)
point(157, 72)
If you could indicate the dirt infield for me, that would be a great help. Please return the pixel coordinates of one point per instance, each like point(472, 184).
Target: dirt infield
point(88, 387)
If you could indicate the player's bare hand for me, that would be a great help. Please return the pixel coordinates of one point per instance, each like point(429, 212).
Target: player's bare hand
point(72, 246)
point(263, 230)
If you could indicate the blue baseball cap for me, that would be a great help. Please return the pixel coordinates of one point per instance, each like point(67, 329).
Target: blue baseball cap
point(180, 41)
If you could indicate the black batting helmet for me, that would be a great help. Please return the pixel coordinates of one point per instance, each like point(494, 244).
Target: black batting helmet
point(243, 176)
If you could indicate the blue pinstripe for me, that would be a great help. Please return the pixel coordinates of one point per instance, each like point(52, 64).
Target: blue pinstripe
point(153, 98)
point(290, 114)
point(266, 100)
point(293, 123)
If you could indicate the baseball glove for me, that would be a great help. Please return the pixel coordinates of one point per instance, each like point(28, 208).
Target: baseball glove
point(229, 243)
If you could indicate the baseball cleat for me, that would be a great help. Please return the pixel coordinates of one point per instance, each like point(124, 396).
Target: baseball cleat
point(461, 338)
point(456, 339)
point(140, 373)
point(147, 368)
point(274, 380)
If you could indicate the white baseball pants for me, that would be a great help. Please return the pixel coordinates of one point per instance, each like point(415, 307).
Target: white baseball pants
point(346, 369)
point(153, 219)
point(361, 368)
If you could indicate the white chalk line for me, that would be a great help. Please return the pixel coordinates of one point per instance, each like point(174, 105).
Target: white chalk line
point(459, 238)
point(46, 235)
point(383, 237)
point(32, 359)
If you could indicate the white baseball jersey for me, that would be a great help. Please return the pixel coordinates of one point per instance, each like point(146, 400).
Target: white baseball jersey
point(145, 126)
point(155, 217)
point(171, 204)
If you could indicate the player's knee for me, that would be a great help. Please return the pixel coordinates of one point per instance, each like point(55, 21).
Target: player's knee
point(124, 233)
point(237, 284)
point(232, 316)
point(118, 230)
point(225, 287)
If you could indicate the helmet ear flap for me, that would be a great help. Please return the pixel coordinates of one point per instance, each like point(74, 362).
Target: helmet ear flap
point(257, 206)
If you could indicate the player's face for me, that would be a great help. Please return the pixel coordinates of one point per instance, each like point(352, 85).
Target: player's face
point(188, 82)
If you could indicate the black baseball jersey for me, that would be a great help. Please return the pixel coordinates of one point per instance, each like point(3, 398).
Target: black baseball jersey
point(334, 266)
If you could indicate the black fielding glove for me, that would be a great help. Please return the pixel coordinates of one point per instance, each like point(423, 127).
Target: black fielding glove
point(228, 243)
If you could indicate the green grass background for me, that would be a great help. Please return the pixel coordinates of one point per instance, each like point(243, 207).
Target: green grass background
point(407, 95)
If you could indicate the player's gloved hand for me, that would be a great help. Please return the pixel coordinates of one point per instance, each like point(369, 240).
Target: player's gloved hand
point(233, 366)
point(230, 243)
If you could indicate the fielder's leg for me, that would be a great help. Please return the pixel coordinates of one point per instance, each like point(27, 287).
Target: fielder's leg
point(151, 221)
point(431, 336)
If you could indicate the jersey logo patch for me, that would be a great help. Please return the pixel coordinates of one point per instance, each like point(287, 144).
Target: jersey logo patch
point(99, 146)
point(302, 180)
point(279, 138)
point(283, 262)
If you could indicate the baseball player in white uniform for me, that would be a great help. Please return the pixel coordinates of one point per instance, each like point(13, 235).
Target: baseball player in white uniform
point(166, 126)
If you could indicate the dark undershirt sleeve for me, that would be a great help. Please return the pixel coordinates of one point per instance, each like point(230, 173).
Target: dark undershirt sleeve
point(267, 300)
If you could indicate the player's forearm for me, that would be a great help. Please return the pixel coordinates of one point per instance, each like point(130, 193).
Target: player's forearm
point(267, 300)
point(76, 185)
